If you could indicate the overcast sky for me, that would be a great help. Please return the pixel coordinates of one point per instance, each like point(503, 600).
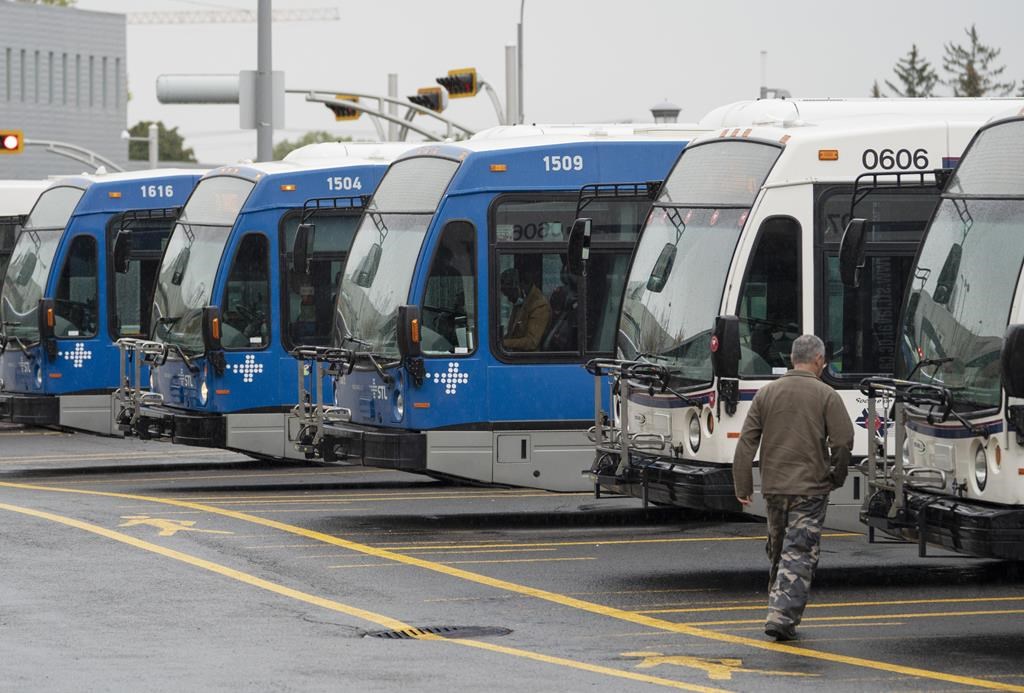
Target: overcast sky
point(585, 60)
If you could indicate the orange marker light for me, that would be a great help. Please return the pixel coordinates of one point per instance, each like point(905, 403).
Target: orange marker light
point(746, 133)
point(421, 405)
point(828, 155)
point(499, 168)
point(289, 187)
point(414, 331)
point(215, 328)
point(56, 375)
point(222, 392)
point(784, 139)
point(50, 319)
point(114, 194)
point(732, 434)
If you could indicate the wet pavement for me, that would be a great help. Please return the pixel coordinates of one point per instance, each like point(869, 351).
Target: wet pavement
point(144, 566)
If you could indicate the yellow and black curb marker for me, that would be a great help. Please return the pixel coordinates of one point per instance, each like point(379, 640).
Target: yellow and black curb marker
point(554, 597)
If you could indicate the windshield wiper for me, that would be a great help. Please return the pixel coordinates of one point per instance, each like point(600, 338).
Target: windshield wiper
point(651, 357)
point(168, 346)
point(929, 362)
point(357, 340)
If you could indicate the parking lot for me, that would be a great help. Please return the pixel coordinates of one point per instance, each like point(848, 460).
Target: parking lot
point(159, 567)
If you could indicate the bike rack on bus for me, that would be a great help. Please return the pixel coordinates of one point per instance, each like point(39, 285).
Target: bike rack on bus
point(891, 475)
point(130, 394)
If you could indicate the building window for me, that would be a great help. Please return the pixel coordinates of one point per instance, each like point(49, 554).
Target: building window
point(7, 67)
point(35, 77)
point(21, 73)
point(103, 80)
point(49, 98)
point(117, 82)
point(92, 81)
point(78, 80)
point(64, 79)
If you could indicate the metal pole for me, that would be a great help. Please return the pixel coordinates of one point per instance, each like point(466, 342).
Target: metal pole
point(511, 85)
point(519, 73)
point(264, 84)
point(764, 74)
point(392, 107)
point(154, 145)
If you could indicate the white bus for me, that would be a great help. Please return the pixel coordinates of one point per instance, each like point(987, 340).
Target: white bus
point(740, 255)
point(956, 478)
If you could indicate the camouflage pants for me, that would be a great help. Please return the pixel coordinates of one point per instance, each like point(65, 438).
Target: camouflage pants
point(794, 538)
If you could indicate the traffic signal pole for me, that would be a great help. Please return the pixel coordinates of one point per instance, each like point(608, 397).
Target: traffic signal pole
point(264, 84)
point(329, 97)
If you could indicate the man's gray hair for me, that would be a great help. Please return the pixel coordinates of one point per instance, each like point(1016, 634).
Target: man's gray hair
point(806, 348)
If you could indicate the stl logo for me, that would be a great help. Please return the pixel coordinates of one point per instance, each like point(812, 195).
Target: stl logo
point(249, 368)
point(78, 355)
point(450, 379)
point(881, 421)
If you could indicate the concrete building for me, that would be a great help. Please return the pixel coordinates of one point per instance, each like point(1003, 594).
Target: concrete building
point(62, 77)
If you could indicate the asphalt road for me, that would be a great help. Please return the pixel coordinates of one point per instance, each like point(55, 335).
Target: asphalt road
point(144, 566)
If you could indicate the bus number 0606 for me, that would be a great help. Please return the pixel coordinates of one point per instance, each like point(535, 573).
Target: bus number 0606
point(889, 159)
point(563, 163)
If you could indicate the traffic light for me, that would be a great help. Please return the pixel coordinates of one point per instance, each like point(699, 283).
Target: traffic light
point(11, 142)
point(434, 98)
point(460, 83)
point(343, 112)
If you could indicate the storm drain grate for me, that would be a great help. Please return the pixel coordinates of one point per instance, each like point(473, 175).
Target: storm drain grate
point(443, 631)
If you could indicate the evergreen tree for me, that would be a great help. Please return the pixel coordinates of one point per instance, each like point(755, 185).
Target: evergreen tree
point(876, 93)
point(171, 145)
point(970, 68)
point(915, 74)
point(282, 148)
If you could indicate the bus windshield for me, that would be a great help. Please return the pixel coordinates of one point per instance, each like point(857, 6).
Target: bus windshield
point(675, 285)
point(380, 265)
point(189, 265)
point(31, 260)
point(962, 286)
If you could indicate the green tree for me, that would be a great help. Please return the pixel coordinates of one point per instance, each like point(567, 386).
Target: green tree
point(970, 68)
point(876, 93)
point(282, 148)
point(915, 74)
point(171, 145)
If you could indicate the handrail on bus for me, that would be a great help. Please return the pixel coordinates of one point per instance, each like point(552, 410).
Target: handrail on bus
point(317, 204)
point(164, 213)
point(862, 190)
point(588, 193)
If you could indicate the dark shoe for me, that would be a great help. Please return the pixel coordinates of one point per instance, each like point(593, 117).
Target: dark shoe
point(780, 632)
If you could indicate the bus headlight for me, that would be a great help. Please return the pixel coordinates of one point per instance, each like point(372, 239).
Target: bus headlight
point(152, 380)
point(981, 468)
point(695, 432)
point(204, 393)
point(399, 405)
point(905, 453)
point(39, 376)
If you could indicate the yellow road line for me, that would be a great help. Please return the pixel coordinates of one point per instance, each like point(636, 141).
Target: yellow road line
point(837, 605)
point(511, 560)
point(427, 490)
point(93, 456)
point(593, 542)
point(927, 614)
point(554, 597)
point(380, 497)
point(454, 553)
point(121, 478)
point(33, 433)
point(323, 602)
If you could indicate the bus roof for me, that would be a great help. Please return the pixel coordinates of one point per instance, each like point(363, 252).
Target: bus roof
point(842, 149)
point(318, 157)
point(800, 112)
point(18, 196)
point(128, 190)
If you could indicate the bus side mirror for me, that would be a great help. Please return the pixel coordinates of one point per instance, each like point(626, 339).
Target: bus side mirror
point(367, 269)
point(851, 252)
point(946, 282)
point(26, 269)
point(48, 326)
point(662, 268)
point(409, 331)
point(578, 248)
point(180, 263)
point(303, 248)
point(725, 347)
point(122, 251)
point(1011, 361)
point(211, 329)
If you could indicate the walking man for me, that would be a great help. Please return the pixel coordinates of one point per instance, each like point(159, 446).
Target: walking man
point(797, 420)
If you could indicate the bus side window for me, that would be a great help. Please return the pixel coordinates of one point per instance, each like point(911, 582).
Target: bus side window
point(769, 303)
point(78, 291)
point(132, 296)
point(246, 306)
point(309, 297)
point(448, 312)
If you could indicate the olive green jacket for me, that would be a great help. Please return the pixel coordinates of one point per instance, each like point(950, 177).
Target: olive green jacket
point(795, 420)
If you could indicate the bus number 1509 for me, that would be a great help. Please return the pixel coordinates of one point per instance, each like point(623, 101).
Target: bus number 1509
point(563, 163)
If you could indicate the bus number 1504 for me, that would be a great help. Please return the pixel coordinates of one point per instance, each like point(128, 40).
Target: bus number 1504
point(563, 163)
point(895, 159)
point(344, 183)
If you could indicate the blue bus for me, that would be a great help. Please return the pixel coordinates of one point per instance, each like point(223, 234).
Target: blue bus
point(461, 325)
point(66, 298)
point(231, 300)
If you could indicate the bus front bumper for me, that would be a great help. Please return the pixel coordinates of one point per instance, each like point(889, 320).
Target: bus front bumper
point(662, 481)
point(961, 525)
point(33, 410)
point(375, 447)
point(182, 427)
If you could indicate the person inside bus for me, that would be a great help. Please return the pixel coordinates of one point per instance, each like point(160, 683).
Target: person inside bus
point(531, 312)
